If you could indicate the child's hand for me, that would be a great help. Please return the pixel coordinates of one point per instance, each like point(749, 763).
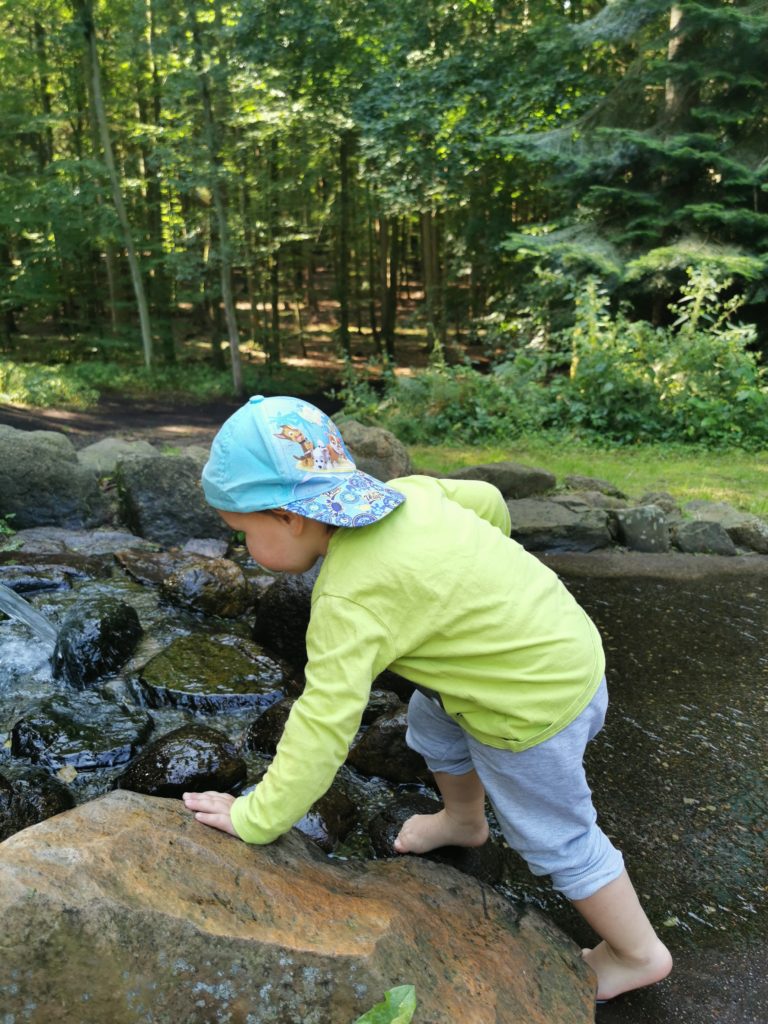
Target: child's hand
point(212, 809)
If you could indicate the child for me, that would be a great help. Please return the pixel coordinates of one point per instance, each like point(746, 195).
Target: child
point(420, 575)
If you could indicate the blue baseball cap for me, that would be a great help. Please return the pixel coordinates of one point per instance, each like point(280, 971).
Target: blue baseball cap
point(282, 452)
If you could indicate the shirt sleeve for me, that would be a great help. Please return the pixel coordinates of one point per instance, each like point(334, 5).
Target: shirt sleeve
point(347, 647)
point(482, 498)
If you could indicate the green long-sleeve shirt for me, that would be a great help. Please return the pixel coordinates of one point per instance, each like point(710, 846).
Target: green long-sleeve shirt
point(438, 592)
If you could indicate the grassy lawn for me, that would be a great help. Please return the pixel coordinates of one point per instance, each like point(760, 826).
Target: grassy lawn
point(738, 477)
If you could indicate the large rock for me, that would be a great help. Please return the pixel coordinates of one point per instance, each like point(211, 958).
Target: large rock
point(541, 525)
point(103, 456)
point(376, 451)
point(161, 499)
point(96, 637)
point(126, 909)
point(511, 478)
point(42, 483)
point(745, 529)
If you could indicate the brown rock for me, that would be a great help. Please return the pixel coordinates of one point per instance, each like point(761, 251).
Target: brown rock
point(125, 909)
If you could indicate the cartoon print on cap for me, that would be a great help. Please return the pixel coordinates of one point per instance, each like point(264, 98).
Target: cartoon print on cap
point(326, 456)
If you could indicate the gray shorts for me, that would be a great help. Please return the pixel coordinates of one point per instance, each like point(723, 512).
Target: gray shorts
point(540, 795)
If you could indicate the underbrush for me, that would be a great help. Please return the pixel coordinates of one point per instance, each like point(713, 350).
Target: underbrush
point(80, 385)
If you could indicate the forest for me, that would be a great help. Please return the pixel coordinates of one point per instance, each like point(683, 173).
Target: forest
point(516, 215)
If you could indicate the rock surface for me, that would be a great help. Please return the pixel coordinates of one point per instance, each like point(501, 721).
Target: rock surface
point(127, 910)
point(376, 451)
point(42, 483)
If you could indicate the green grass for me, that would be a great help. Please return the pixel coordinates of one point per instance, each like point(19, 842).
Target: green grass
point(735, 476)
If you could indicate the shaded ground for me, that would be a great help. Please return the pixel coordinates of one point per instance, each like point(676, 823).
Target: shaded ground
point(156, 422)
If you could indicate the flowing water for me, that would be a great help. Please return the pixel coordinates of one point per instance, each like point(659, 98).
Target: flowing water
point(17, 608)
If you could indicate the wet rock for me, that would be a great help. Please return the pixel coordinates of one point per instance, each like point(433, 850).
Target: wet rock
point(643, 529)
point(376, 451)
point(380, 702)
point(29, 797)
point(103, 456)
point(161, 499)
point(79, 731)
point(697, 537)
point(193, 757)
point(45, 540)
point(512, 479)
point(159, 916)
point(485, 862)
point(329, 820)
point(381, 750)
point(42, 483)
point(207, 547)
point(95, 639)
point(264, 733)
point(213, 586)
point(204, 675)
point(149, 567)
point(33, 579)
point(548, 526)
point(283, 614)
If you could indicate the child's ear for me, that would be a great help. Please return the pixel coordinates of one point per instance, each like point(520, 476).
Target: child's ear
point(292, 520)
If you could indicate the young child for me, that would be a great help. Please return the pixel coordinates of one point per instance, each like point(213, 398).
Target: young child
point(420, 575)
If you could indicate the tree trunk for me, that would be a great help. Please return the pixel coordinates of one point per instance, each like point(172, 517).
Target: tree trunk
point(342, 262)
point(84, 10)
point(222, 226)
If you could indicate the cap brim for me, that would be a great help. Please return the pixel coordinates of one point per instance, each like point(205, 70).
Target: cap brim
point(356, 500)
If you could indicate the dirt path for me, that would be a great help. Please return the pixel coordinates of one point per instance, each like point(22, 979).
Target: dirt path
point(160, 423)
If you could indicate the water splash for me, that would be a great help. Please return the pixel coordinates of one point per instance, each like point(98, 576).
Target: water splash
point(18, 608)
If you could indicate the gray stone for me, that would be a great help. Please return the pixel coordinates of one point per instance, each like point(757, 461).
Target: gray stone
point(588, 499)
point(376, 451)
point(95, 639)
point(665, 501)
point(161, 499)
point(511, 478)
point(58, 539)
point(127, 909)
point(701, 536)
point(745, 529)
point(43, 484)
point(103, 456)
point(207, 547)
point(381, 750)
point(541, 525)
point(643, 529)
point(575, 482)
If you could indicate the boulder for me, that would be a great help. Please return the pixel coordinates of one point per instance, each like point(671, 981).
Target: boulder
point(212, 586)
point(549, 526)
point(96, 637)
point(79, 731)
point(381, 750)
point(43, 540)
point(192, 757)
point(644, 528)
point(103, 456)
point(160, 498)
point(127, 909)
point(209, 676)
point(702, 536)
point(43, 484)
point(576, 482)
point(376, 451)
point(745, 529)
point(29, 796)
point(511, 478)
point(282, 617)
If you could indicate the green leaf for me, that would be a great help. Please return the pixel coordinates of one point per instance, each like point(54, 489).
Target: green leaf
point(397, 1008)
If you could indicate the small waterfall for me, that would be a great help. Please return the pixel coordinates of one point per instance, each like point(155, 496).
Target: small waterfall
point(18, 608)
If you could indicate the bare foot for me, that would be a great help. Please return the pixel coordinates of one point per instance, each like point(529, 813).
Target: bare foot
point(617, 974)
point(425, 832)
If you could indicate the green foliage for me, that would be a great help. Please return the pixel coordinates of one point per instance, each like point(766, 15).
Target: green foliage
point(44, 386)
point(398, 1007)
point(605, 376)
point(696, 380)
point(6, 530)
